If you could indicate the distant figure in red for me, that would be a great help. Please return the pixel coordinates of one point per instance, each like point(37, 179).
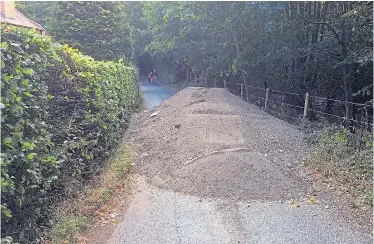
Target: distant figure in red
point(150, 78)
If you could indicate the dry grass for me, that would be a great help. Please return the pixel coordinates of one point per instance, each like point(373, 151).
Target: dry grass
point(347, 160)
point(344, 162)
point(74, 216)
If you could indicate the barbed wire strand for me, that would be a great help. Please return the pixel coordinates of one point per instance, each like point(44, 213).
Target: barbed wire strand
point(257, 87)
point(341, 101)
point(296, 94)
point(238, 84)
point(340, 117)
point(292, 93)
point(291, 105)
point(256, 96)
point(285, 115)
point(313, 110)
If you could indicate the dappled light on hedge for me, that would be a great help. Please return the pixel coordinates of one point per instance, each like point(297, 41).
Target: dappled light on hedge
point(62, 114)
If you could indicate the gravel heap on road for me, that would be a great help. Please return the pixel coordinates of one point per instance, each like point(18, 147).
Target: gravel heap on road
point(210, 143)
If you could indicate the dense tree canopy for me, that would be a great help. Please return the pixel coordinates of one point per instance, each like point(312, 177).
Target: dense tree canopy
point(98, 29)
point(321, 47)
point(324, 48)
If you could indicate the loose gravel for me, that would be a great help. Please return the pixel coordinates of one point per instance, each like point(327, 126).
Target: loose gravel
point(214, 169)
point(198, 121)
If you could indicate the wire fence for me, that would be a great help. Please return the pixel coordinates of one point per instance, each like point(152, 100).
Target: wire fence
point(307, 99)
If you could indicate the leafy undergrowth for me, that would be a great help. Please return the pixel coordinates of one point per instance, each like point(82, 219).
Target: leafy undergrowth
point(74, 216)
point(344, 160)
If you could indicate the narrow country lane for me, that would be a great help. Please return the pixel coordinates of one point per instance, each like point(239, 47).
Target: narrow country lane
point(154, 94)
point(187, 122)
point(210, 169)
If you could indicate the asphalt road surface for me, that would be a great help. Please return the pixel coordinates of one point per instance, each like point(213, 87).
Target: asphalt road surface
point(159, 216)
point(154, 94)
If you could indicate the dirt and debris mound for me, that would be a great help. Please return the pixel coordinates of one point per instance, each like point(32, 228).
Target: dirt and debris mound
point(208, 142)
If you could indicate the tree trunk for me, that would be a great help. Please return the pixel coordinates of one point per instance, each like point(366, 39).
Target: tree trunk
point(345, 76)
point(347, 93)
point(329, 103)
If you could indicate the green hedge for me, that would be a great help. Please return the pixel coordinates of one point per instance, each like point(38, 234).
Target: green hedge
point(62, 114)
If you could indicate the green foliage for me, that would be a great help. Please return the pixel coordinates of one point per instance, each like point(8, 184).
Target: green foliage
point(7, 240)
point(62, 113)
point(98, 29)
point(38, 11)
point(313, 47)
point(345, 159)
point(67, 228)
point(30, 165)
point(344, 155)
point(341, 136)
point(74, 215)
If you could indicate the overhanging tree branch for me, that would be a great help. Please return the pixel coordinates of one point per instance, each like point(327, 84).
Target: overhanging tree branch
point(328, 26)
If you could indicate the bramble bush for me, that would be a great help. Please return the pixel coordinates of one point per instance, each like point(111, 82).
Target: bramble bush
point(62, 114)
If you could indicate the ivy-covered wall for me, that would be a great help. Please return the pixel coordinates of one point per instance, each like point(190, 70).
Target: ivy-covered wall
point(61, 115)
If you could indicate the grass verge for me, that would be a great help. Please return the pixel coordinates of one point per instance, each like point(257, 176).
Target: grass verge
point(74, 216)
point(344, 161)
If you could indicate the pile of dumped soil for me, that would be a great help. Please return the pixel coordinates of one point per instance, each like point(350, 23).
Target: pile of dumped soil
point(208, 142)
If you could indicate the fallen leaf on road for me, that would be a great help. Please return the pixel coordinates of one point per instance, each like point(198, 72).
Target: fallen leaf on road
point(294, 204)
point(312, 200)
point(82, 240)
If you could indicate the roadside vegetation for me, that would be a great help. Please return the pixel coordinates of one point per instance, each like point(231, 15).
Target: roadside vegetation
point(67, 99)
point(74, 216)
point(63, 113)
point(346, 159)
point(340, 163)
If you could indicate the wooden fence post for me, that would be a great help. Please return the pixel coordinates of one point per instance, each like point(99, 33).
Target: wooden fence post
point(247, 92)
point(241, 91)
point(215, 82)
point(267, 97)
point(187, 76)
point(195, 78)
point(224, 84)
point(306, 104)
